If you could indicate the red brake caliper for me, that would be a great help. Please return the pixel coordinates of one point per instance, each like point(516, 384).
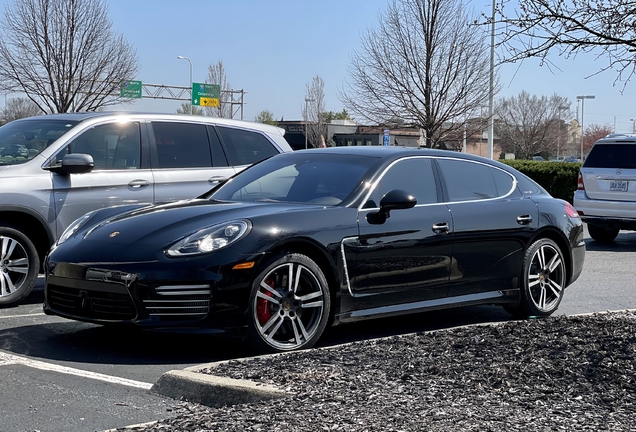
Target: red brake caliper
point(263, 311)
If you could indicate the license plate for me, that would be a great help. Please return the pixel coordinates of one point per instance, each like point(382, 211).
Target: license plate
point(620, 186)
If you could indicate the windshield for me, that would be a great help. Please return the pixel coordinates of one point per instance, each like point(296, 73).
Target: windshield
point(300, 177)
point(22, 140)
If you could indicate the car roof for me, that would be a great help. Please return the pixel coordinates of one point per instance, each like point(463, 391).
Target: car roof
point(81, 116)
point(394, 152)
point(627, 138)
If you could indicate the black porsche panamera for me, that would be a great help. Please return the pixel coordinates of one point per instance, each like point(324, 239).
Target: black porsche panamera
point(321, 237)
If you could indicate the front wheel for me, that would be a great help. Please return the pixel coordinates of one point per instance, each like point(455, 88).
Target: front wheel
point(289, 304)
point(19, 265)
point(543, 280)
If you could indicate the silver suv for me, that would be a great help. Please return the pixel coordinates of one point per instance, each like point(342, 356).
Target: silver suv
point(606, 195)
point(55, 168)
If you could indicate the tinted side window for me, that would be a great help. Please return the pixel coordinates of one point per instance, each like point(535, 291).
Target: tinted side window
point(245, 147)
point(112, 146)
point(466, 180)
point(503, 181)
point(414, 175)
point(182, 145)
point(611, 156)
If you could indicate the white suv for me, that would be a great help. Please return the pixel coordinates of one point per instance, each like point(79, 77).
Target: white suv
point(606, 193)
point(56, 168)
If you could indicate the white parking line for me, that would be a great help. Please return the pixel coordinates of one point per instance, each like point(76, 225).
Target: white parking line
point(21, 316)
point(6, 359)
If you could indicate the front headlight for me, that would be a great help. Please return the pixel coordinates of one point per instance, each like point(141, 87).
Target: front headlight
point(73, 227)
point(210, 239)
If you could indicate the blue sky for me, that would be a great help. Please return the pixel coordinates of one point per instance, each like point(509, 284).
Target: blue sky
point(271, 49)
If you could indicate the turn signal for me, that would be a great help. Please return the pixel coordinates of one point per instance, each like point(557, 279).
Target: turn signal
point(243, 266)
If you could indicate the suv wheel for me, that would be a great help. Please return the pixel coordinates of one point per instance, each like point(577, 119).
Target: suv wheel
point(602, 235)
point(19, 265)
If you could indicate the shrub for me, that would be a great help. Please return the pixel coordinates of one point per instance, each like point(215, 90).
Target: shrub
point(560, 179)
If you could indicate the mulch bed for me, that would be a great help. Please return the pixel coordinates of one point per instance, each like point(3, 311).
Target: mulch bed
point(560, 373)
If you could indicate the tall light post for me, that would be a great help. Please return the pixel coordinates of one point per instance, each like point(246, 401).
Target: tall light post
point(582, 99)
point(307, 100)
point(560, 108)
point(189, 61)
point(491, 86)
point(631, 120)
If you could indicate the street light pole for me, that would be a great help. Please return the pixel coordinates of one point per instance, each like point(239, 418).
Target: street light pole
point(560, 108)
point(189, 61)
point(307, 100)
point(582, 99)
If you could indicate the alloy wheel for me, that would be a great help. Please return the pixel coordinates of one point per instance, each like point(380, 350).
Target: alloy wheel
point(288, 306)
point(546, 278)
point(14, 266)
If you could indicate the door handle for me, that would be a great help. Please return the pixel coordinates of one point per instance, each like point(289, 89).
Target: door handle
point(138, 183)
point(217, 179)
point(441, 228)
point(524, 220)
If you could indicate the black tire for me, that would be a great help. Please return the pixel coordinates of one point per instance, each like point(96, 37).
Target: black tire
point(19, 266)
point(601, 234)
point(289, 305)
point(543, 280)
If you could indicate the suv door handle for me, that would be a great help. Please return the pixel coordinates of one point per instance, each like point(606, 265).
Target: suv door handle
point(217, 179)
point(139, 183)
point(441, 228)
point(524, 220)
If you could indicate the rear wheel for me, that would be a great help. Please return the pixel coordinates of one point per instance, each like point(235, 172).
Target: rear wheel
point(543, 280)
point(602, 235)
point(19, 265)
point(289, 304)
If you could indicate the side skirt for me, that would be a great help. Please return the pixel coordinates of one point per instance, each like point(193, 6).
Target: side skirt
point(491, 297)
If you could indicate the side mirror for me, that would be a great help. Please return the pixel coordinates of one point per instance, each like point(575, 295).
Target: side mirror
point(74, 163)
point(397, 199)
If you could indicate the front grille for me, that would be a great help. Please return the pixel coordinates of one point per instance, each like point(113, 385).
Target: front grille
point(111, 304)
point(179, 303)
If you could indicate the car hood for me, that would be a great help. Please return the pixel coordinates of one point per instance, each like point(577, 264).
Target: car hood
point(162, 225)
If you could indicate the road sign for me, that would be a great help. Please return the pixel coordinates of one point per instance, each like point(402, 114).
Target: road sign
point(130, 89)
point(206, 94)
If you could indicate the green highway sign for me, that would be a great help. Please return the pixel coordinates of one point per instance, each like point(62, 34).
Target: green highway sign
point(130, 89)
point(206, 94)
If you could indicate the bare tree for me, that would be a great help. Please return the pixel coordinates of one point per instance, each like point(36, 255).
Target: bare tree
point(18, 108)
point(528, 125)
point(188, 108)
point(425, 63)
point(217, 75)
point(313, 110)
point(536, 28)
point(64, 54)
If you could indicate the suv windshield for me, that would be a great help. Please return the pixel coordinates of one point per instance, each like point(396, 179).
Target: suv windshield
point(22, 140)
point(612, 156)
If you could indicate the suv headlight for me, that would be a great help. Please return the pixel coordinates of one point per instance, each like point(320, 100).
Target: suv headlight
point(73, 227)
point(210, 239)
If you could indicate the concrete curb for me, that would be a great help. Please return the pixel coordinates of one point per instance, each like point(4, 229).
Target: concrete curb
point(212, 390)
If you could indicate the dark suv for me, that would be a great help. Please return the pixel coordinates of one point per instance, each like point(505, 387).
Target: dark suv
point(71, 164)
point(606, 195)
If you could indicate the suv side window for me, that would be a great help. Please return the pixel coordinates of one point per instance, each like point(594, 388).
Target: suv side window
point(245, 147)
point(113, 146)
point(480, 184)
point(415, 175)
point(182, 145)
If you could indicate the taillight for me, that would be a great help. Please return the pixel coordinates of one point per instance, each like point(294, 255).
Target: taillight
point(580, 186)
point(571, 211)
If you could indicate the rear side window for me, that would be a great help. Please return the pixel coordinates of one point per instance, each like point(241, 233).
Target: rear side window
point(182, 145)
point(467, 181)
point(245, 147)
point(611, 156)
